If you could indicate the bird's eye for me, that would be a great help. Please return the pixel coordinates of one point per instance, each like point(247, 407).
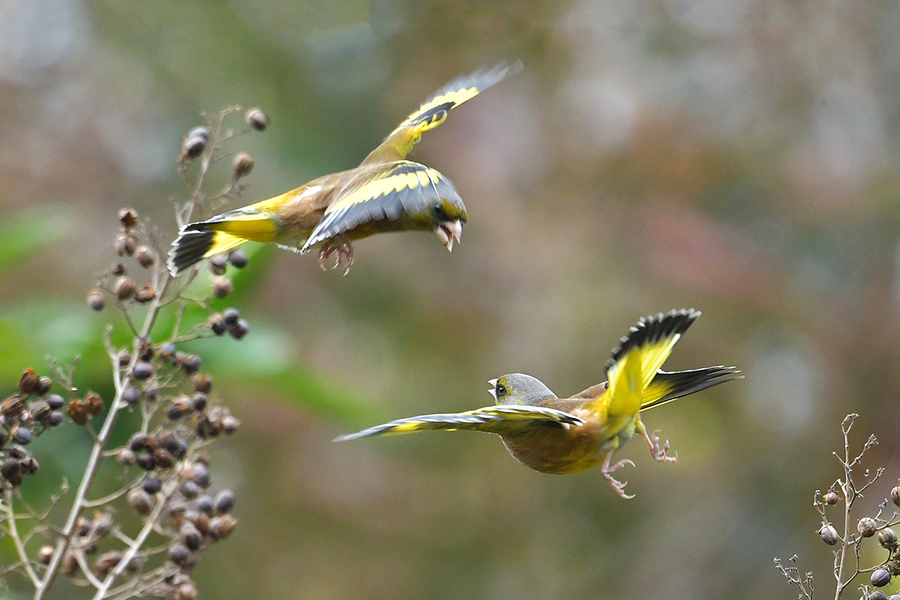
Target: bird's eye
point(439, 213)
point(500, 390)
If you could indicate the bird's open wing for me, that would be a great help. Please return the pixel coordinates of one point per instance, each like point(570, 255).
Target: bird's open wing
point(384, 193)
point(501, 418)
point(434, 110)
point(639, 356)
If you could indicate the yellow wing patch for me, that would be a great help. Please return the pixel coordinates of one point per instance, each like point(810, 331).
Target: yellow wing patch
point(638, 358)
point(402, 189)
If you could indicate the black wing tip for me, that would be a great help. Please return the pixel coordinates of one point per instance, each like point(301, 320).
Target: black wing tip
point(654, 328)
point(481, 79)
point(189, 248)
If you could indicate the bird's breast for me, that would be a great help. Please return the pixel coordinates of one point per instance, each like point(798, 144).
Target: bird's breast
point(559, 451)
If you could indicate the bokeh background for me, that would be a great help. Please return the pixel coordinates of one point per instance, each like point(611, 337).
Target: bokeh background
point(737, 156)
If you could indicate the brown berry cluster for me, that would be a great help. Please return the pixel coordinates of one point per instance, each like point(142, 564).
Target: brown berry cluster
point(23, 415)
point(129, 243)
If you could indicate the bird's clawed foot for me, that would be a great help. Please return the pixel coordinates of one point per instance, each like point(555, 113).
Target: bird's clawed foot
point(343, 250)
point(617, 485)
point(659, 452)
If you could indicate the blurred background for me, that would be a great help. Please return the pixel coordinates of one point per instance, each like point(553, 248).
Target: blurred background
point(736, 156)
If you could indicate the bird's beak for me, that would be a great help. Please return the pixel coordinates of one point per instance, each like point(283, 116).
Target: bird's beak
point(493, 389)
point(447, 231)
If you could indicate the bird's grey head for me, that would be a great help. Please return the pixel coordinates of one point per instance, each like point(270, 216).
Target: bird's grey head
point(518, 388)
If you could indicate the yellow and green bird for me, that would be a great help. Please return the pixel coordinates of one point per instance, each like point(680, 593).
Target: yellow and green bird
point(384, 193)
point(568, 435)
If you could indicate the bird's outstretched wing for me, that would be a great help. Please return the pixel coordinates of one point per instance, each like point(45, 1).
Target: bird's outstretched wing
point(503, 419)
point(434, 111)
point(385, 193)
point(639, 356)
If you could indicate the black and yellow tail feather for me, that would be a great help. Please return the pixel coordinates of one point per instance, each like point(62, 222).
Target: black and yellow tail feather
point(669, 385)
point(220, 234)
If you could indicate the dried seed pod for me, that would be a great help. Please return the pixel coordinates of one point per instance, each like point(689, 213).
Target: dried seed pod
point(145, 461)
point(224, 501)
point(29, 465)
point(141, 501)
point(102, 524)
point(185, 591)
point(145, 256)
point(242, 164)
point(117, 269)
point(125, 243)
point(96, 299)
point(867, 527)
point(200, 474)
point(166, 352)
point(10, 469)
point(231, 315)
point(895, 495)
point(28, 381)
point(21, 435)
point(887, 538)
point(218, 264)
point(70, 564)
point(239, 329)
point(55, 401)
point(205, 504)
point(45, 554)
point(82, 526)
point(202, 383)
point(128, 217)
point(163, 458)
point(200, 131)
point(878, 595)
point(179, 407)
point(13, 406)
point(43, 386)
point(190, 535)
point(190, 489)
point(124, 358)
point(54, 419)
point(145, 350)
point(138, 441)
point(191, 363)
point(199, 401)
point(221, 527)
point(200, 519)
point(40, 410)
point(124, 288)
point(180, 555)
point(230, 424)
point(151, 485)
point(77, 412)
point(237, 258)
point(93, 404)
point(221, 286)
point(193, 147)
point(828, 534)
point(131, 395)
point(145, 294)
point(217, 323)
point(880, 577)
point(257, 119)
point(126, 456)
point(143, 370)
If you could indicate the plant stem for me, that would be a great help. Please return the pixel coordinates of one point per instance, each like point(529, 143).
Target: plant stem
point(99, 446)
